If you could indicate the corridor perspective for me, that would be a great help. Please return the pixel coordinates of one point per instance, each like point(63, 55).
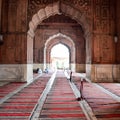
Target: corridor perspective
point(53, 96)
point(59, 59)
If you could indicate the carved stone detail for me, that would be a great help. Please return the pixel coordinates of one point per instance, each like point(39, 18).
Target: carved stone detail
point(103, 28)
point(102, 16)
point(106, 49)
point(103, 49)
point(35, 5)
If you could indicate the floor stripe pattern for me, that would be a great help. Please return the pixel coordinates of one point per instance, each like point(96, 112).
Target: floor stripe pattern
point(103, 105)
point(20, 106)
point(10, 87)
point(114, 88)
point(61, 103)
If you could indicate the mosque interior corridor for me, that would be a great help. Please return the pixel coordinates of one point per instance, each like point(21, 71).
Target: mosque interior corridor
point(59, 59)
point(54, 96)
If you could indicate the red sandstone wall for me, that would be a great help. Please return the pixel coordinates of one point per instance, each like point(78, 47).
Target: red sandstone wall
point(117, 23)
point(103, 29)
point(100, 15)
point(14, 27)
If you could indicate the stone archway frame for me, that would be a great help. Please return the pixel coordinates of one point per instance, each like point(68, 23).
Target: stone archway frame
point(57, 8)
point(51, 10)
point(67, 41)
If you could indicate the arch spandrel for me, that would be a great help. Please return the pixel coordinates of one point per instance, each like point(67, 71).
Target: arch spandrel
point(57, 8)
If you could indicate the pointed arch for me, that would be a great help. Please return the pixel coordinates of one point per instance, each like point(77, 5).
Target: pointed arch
point(54, 9)
point(51, 10)
point(67, 41)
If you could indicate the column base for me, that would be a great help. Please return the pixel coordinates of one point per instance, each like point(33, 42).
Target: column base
point(80, 68)
point(16, 72)
point(103, 72)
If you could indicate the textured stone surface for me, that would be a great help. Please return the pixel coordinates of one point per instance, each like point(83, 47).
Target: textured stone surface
point(99, 20)
point(16, 72)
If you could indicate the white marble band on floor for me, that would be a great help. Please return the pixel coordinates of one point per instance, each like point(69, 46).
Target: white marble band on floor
point(115, 97)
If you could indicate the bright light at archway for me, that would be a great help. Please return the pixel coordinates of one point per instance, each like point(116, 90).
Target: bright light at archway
point(60, 56)
point(60, 51)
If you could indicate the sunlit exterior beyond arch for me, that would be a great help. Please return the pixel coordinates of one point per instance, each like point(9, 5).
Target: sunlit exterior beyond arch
point(59, 57)
point(49, 45)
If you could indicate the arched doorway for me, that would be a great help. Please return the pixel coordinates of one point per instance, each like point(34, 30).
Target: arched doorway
point(51, 10)
point(59, 39)
point(59, 57)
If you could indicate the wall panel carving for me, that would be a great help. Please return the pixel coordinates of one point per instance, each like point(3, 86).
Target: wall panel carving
point(103, 49)
point(101, 16)
point(21, 22)
point(103, 30)
point(96, 51)
point(35, 5)
point(106, 49)
point(12, 12)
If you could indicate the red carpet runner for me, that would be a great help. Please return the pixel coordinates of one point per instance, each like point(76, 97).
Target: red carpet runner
point(114, 88)
point(61, 102)
point(103, 105)
point(20, 106)
point(10, 87)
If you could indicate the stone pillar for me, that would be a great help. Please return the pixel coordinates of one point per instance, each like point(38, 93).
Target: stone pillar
point(16, 51)
point(29, 65)
point(16, 72)
point(88, 38)
point(101, 57)
point(80, 68)
point(105, 73)
point(103, 67)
